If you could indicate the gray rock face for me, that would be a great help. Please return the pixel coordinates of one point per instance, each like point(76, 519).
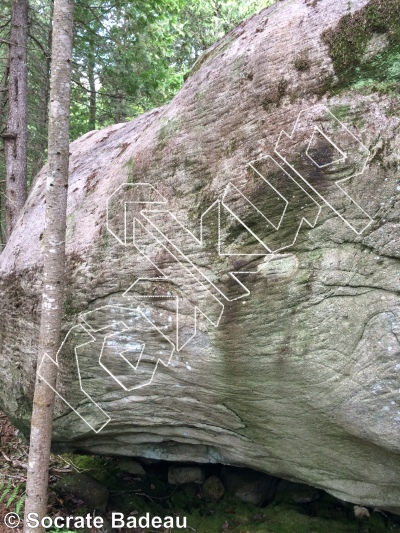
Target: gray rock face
point(261, 268)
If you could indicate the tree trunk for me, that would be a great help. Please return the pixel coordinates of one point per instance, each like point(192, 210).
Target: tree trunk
point(120, 111)
point(15, 136)
point(54, 260)
point(42, 114)
point(3, 92)
point(3, 102)
point(92, 88)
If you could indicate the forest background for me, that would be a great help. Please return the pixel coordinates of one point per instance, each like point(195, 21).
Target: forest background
point(129, 57)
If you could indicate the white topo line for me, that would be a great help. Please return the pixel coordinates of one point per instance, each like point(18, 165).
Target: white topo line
point(142, 204)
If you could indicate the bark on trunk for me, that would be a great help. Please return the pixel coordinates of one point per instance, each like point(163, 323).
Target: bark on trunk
point(54, 260)
point(92, 88)
point(3, 102)
point(15, 136)
point(3, 92)
point(42, 116)
point(120, 112)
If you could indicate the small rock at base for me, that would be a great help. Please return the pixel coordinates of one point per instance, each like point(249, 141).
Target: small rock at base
point(179, 475)
point(248, 485)
point(296, 492)
point(361, 512)
point(86, 488)
point(131, 467)
point(213, 489)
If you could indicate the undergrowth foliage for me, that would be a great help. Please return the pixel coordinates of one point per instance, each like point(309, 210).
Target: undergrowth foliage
point(13, 496)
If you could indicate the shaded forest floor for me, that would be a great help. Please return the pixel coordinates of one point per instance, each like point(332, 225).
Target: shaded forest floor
point(13, 468)
point(135, 495)
point(13, 459)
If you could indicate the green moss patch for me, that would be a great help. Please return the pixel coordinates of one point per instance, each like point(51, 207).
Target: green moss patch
point(348, 43)
point(302, 63)
point(382, 74)
point(168, 129)
point(232, 516)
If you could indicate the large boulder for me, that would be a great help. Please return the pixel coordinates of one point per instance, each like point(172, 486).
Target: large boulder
point(290, 365)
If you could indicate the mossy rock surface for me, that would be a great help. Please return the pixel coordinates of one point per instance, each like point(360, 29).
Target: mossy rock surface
point(365, 47)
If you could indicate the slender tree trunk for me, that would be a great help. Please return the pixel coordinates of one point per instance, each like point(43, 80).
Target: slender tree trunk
point(54, 261)
point(120, 115)
point(3, 102)
point(92, 87)
point(42, 116)
point(92, 98)
point(15, 136)
point(3, 92)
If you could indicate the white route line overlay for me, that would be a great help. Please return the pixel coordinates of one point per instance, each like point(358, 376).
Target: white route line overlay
point(344, 158)
point(154, 197)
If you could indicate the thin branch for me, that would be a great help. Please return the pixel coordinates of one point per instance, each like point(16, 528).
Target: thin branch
point(46, 53)
point(100, 93)
point(7, 23)
point(7, 42)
